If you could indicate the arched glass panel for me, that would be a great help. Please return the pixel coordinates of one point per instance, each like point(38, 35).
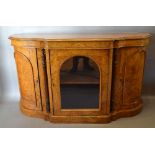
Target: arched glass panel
point(79, 83)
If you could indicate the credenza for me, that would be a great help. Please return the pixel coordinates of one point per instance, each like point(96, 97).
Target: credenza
point(80, 78)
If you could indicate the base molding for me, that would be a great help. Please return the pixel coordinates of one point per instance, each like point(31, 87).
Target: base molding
point(83, 119)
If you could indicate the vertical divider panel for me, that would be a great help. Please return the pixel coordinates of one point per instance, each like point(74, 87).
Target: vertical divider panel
point(43, 79)
point(48, 67)
point(110, 59)
point(34, 61)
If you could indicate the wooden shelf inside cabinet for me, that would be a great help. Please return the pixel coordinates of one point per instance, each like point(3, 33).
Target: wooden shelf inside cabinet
point(79, 78)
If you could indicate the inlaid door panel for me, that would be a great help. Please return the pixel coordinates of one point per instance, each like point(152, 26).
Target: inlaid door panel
point(133, 75)
point(72, 89)
point(128, 65)
point(28, 80)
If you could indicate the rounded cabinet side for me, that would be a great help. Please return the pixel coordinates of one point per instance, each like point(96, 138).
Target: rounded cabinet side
point(128, 70)
point(28, 77)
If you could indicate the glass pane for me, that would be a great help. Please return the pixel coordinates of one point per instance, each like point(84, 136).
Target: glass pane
point(79, 78)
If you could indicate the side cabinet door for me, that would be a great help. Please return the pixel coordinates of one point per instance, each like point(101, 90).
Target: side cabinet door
point(28, 79)
point(133, 75)
point(128, 69)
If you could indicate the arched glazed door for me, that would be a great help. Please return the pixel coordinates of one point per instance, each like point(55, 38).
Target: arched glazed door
point(80, 81)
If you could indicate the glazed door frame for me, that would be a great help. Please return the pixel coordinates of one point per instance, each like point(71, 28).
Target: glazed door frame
point(102, 57)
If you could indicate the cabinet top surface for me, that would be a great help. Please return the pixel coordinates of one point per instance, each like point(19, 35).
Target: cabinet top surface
point(79, 37)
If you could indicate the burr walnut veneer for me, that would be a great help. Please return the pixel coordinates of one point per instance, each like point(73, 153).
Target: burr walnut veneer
point(118, 57)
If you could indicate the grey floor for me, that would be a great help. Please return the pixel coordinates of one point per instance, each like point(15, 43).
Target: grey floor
point(11, 117)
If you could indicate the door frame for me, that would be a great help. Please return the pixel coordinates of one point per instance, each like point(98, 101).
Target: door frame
point(103, 59)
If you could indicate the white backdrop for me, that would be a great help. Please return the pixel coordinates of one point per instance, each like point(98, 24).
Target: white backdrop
point(8, 75)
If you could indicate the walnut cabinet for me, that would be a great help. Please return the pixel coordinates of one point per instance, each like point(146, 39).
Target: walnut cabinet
point(80, 78)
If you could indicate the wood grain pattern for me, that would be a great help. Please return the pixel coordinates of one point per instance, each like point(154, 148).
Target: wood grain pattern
point(119, 57)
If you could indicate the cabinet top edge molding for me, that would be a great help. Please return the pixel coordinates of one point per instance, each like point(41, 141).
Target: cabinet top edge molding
point(79, 37)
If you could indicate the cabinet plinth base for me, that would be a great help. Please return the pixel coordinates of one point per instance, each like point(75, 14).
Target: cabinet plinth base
point(83, 119)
